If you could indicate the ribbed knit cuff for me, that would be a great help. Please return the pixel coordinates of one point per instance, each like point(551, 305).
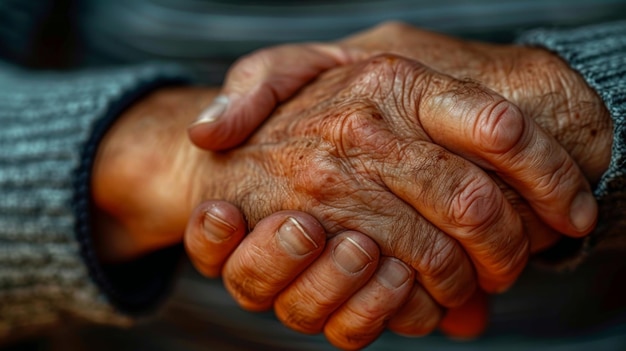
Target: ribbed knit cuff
point(598, 53)
point(51, 126)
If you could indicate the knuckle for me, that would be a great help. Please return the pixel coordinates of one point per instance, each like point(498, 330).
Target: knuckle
point(475, 204)
point(252, 284)
point(378, 75)
point(498, 127)
point(320, 177)
point(360, 130)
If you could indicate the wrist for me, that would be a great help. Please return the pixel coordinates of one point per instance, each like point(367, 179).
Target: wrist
point(142, 175)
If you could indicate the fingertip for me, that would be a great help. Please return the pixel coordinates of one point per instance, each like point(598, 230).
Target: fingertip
point(297, 232)
point(222, 215)
point(276, 251)
point(583, 213)
point(355, 252)
point(214, 229)
point(221, 134)
point(221, 127)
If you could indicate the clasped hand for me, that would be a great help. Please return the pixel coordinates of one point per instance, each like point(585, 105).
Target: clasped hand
point(387, 156)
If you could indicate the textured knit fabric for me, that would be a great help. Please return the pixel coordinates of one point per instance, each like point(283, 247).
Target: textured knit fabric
point(598, 53)
point(50, 126)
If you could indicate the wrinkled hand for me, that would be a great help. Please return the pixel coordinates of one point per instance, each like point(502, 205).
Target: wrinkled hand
point(216, 227)
point(441, 129)
point(380, 127)
point(541, 84)
point(538, 82)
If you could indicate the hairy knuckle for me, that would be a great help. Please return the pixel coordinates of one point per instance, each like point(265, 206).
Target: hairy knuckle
point(498, 127)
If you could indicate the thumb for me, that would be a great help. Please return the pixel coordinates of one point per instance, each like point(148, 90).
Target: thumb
point(255, 84)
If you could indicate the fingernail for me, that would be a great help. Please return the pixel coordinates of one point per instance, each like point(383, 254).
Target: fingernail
point(216, 229)
point(583, 211)
point(214, 110)
point(350, 256)
point(292, 236)
point(392, 273)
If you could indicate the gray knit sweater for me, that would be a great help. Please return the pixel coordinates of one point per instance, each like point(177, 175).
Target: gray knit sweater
point(50, 126)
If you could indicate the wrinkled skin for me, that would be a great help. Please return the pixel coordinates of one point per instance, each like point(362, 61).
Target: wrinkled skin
point(339, 160)
point(356, 129)
point(543, 86)
point(351, 167)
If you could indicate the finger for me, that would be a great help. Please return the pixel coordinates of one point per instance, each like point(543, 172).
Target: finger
point(481, 125)
point(347, 263)
point(540, 235)
point(362, 318)
point(419, 316)
point(463, 202)
point(467, 321)
point(471, 208)
point(214, 229)
point(256, 84)
point(280, 247)
point(403, 175)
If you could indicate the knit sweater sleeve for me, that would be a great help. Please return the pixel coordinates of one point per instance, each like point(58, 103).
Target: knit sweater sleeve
point(598, 53)
point(50, 126)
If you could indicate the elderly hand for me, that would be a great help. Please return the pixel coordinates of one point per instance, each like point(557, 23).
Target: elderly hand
point(378, 301)
point(422, 116)
point(537, 81)
point(543, 86)
point(355, 151)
